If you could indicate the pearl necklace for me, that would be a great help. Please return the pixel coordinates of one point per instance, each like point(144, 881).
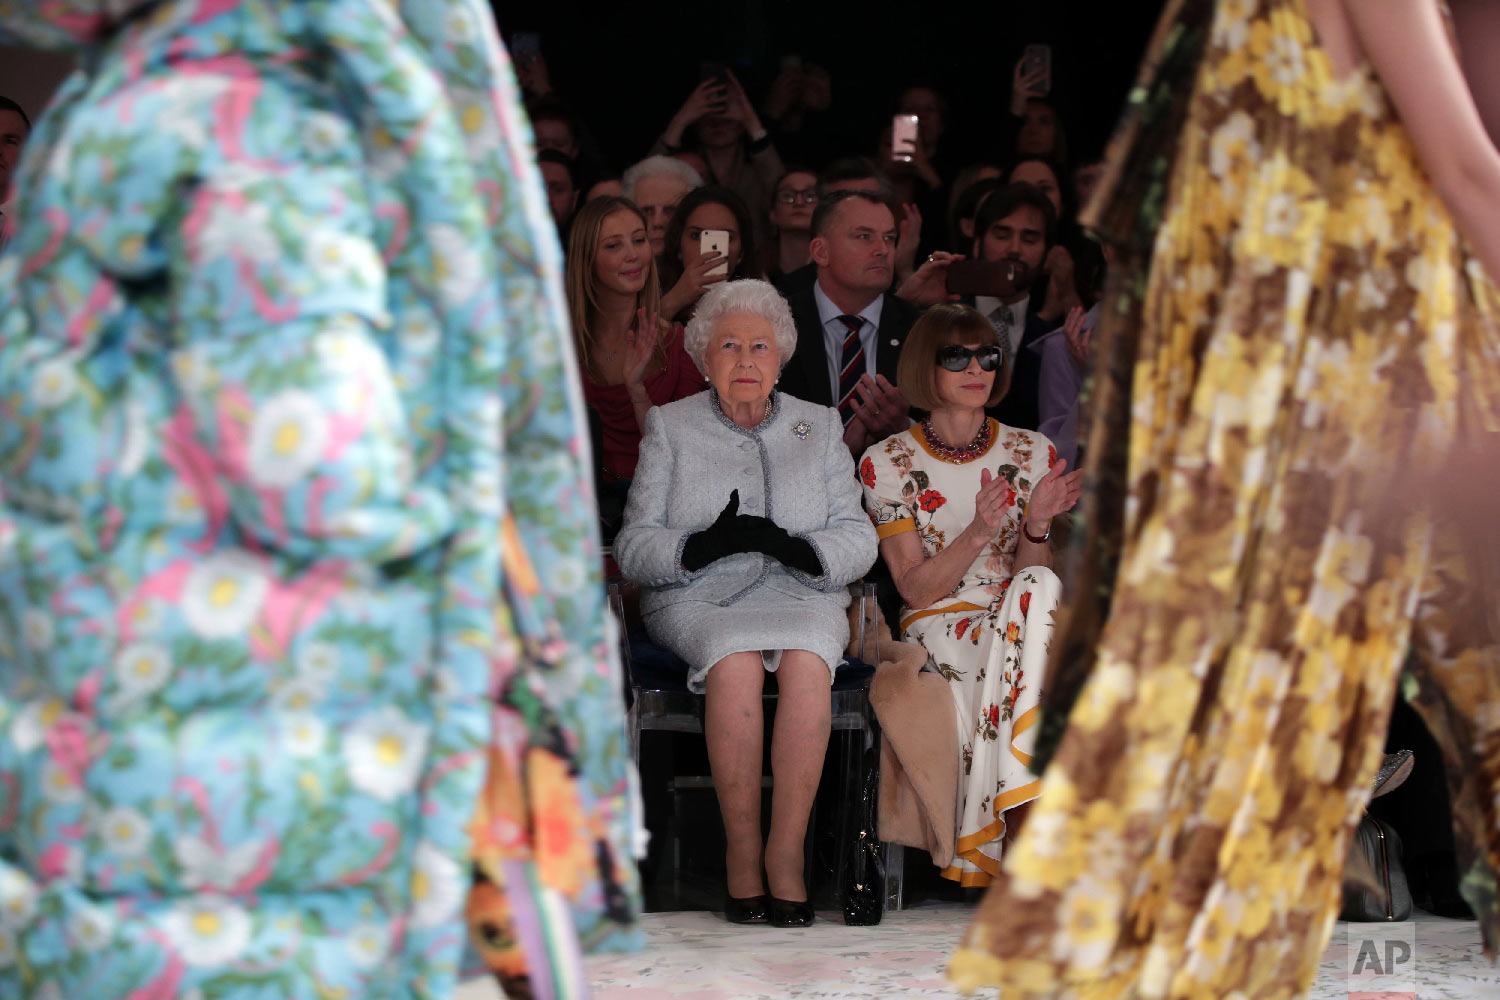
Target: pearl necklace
point(957, 456)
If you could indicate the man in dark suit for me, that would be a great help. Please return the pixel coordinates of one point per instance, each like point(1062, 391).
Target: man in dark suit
point(1015, 225)
point(849, 329)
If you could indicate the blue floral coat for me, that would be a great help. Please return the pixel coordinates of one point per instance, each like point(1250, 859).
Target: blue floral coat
point(282, 364)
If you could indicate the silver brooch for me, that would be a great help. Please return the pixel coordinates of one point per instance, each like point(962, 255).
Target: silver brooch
point(800, 428)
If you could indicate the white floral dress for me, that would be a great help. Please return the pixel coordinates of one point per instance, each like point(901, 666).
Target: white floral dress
point(989, 636)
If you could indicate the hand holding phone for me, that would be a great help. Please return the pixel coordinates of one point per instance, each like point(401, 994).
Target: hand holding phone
point(1036, 65)
point(984, 277)
point(715, 241)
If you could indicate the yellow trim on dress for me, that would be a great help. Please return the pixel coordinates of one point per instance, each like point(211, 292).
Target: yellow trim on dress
point(929, 612)
point(968, 846)
point(897, 527)
point(921, 439)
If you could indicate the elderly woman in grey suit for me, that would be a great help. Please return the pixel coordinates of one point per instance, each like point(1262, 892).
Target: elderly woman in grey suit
point(744, 527)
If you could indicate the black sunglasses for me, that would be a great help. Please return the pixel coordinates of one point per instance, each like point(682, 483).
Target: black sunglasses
point(956, 359)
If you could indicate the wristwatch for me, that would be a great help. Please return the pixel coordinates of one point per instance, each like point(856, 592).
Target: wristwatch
point(1032, 538)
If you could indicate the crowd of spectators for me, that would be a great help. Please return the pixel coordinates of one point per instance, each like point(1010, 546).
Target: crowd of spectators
point(757, 174)
point(899, 307)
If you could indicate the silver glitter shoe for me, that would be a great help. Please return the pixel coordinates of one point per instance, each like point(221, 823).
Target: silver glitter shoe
point(1395, 769)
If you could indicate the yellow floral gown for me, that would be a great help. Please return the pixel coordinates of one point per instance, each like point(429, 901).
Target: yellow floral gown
point(1297, 340)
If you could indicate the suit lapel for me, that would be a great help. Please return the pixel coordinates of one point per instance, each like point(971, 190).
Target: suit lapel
point(811, 357)
point(887, 342)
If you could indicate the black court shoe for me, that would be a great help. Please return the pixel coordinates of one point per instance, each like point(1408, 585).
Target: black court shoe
point(747, 910)
point(788, 913)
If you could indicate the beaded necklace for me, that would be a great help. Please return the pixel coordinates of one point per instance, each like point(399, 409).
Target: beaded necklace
point(957, 456)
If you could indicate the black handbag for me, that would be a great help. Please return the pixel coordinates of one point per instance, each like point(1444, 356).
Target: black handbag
point(1375, 886)
point(864, 877)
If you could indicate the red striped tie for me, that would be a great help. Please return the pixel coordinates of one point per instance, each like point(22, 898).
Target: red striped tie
point(851, 367)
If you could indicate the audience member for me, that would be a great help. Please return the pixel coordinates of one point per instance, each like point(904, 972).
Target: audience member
point(730, 138)
point(1065, 356)
point(849, 326)
point(1085, 179)
point(968, 551)
point(656, 185)
point(796, 197)
point(609, 186)
point(1067, 241)
point(1041, 133)
point(918, 188)
point(736, 593)
point(1015, 225)
point(562, 188)
point(686, 270)
point(1042, 174)
point(932, 121)
point(14, 128)
point(629, 360)
point(966, 204)
point(555, 127)
point(965, 179)
point(852, 173)
point(797, 112)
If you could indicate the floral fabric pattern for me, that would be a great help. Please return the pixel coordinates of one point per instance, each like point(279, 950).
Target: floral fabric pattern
point(296, 551)
point(1296, 326)
point(989, 638)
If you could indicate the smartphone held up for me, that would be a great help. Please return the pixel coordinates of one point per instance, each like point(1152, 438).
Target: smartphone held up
point(984, 277)
point(715, 241)
point(1037, 61)
point(904, 138)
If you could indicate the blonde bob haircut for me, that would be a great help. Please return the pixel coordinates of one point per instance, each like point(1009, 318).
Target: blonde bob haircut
point(942, 325)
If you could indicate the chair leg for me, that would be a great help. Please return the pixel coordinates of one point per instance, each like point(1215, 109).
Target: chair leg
point(895, 875)
point(633, 732)
point(850, 784)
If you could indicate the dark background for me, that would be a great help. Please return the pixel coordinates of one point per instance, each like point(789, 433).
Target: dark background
point(625, 68)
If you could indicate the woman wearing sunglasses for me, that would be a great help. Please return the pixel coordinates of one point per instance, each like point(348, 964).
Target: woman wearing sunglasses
point(964, 507)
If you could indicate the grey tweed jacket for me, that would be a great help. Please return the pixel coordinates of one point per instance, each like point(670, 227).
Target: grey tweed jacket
point(793, 468)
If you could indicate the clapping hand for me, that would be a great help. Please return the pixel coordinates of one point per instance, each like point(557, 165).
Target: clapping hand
point(880, 407)
point(1055, 493)
point(996, 496)
point(640, 347)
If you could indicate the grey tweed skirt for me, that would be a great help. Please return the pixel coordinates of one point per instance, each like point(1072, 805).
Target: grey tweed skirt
point(763, 621)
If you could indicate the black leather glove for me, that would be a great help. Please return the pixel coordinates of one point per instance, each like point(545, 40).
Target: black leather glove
point(764, 535)
point(720, 539)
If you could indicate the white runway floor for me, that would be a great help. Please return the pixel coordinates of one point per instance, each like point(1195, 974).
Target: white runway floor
point(697, 956)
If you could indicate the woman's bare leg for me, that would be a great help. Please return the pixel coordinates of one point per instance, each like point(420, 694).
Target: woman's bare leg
point(798, 745)
point(733, 727)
